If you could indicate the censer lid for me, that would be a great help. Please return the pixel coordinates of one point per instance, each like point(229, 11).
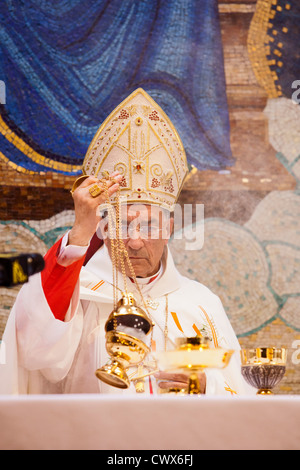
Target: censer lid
point(130, 315)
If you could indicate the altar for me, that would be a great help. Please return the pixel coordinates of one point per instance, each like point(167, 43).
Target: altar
point(103, 422)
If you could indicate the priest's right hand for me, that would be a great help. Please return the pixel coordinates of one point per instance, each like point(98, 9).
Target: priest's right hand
point(178, 381)
point(86, 207)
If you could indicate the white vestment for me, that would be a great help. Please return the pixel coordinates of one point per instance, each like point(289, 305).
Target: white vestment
point(41, 354)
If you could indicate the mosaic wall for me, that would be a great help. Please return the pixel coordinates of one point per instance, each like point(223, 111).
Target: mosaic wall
point(251, 191)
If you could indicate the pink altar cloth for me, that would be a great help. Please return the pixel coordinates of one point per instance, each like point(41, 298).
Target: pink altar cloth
point(108, 422)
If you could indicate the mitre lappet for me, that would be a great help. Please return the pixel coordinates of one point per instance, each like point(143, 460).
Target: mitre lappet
point(140, 142)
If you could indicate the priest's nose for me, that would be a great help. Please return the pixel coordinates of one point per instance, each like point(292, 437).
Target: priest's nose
point(136, 242)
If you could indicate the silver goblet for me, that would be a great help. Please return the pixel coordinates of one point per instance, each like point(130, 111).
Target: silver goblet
point(263, 368)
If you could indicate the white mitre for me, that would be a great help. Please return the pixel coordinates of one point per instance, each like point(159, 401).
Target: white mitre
point(140, 142)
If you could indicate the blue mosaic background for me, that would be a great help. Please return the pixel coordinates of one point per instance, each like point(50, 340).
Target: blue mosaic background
point(284, 57)
point(66, 65)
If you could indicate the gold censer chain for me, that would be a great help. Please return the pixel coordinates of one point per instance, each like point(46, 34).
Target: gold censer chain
point(119, 254)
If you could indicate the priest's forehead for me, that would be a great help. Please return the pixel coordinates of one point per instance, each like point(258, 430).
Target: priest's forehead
point(144, 212)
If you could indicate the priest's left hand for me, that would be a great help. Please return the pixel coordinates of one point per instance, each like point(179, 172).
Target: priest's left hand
point(177, 380)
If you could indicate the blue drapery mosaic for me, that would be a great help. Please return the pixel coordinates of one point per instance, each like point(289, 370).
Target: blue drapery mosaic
point(66, 65)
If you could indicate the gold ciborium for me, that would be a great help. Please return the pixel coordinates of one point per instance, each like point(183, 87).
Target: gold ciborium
point(126, 330)
point(263, 368)
point(192, 355)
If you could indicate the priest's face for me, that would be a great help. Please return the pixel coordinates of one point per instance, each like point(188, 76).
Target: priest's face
point(145, 230)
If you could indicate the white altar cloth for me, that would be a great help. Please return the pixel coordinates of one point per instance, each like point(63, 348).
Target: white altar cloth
point(108, 422)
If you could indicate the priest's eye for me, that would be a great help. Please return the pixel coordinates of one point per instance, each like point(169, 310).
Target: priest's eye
point(143, 231)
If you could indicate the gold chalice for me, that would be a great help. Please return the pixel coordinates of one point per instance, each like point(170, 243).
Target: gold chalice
point(126, 330)
point(263, 368)
point(193, 355)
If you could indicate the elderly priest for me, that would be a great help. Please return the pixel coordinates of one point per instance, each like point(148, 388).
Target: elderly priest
point(55, 335)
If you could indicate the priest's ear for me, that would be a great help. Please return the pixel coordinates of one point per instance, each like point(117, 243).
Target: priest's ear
point(102, 229)
point(167, 224)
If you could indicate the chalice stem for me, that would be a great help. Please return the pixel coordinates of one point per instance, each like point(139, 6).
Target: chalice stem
point(194, 384)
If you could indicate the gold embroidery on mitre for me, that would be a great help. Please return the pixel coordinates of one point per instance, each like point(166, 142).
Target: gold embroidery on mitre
point(139, 140)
